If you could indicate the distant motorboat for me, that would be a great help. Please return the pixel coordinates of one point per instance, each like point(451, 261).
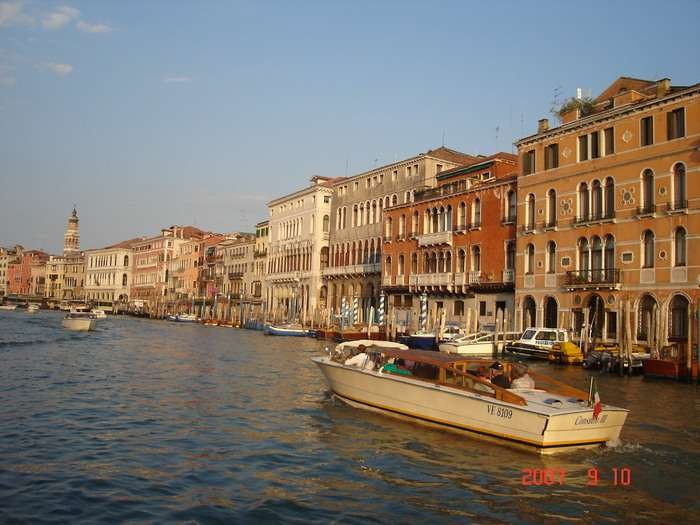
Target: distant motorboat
point(32, 308)
point(8, 307)
point(185, 318)
point(293, 330)
point(79, 321)
point(478, 344)
point(99, 314)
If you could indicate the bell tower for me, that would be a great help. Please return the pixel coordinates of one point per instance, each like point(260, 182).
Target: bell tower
point(71, 240)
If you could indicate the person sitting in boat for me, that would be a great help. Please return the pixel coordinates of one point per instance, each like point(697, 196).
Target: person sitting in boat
point(498, 378)
point(521, 379)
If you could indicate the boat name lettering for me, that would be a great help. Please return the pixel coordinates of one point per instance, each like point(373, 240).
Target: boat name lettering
point(494, 410)
point(580, 420)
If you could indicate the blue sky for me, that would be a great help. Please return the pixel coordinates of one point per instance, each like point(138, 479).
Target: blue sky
point(147, 114)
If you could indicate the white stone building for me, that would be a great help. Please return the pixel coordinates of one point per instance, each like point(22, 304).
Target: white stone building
point(108, 275)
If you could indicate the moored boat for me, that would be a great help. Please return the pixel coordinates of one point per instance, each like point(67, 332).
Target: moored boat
point(32, 308)
point(448, 392)
point(99, 314)
point(293, 330)
point(420, 340)
point(79, 321)
point(185, 318)
point(478, 344)
point(8, 307)
point(537, 342)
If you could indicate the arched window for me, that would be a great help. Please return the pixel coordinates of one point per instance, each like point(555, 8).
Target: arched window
point(388, 226)
point(551, 257)
point(679, 247)
point(126, 260)
point(462, 216)
point(596, 257)
point(374, 212)
point(609, 198)
point(407, 197)
point(448, 262)
point(530, 212)
point(326, 223)
point(387, 265)
point(400, 268)
point(583, 202)
point(647, 192)
point(402, 226)
point(512, 206)
point(461, 261)
point(648, 244)
point(354, 216)
point(679, 195)
point(476, 259)
point(426, 263)
point(394, 200)
point(124, 279)
point(583, 256)
point(678, 314)
point(609, 258)
point(510, 255)
point(596, 200)
point(414, 263)
point(476, 212)
point(414, 224)
point(645, 318)
point(551, 207)
point(530, 259)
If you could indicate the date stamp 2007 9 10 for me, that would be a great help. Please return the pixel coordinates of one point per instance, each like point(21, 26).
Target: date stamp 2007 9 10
point(619, 476)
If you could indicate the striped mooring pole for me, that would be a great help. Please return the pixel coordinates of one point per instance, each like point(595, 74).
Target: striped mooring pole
point(382, 300)
point(355, 309)
point(423, 312)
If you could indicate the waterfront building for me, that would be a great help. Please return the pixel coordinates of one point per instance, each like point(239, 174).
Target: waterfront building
point(7, 257)
point(183, 272)
point(66, 273)
point(354, 268)
point(298, 251)
point(37, 279)
point(209, 283)
point(262, 239)
point(19, 272)
point(108, 275)
point(609, 215)
point(236, 265)
point(456, 244)
point(149, 270)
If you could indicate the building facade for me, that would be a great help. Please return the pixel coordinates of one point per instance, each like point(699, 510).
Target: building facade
point(354, 268)
point(262, 239)
point(8, 256)
point(108, 275)
point(609, 216)
point(456, 244)
point(298, 251)
point(183, 273)
point(237, 268)
point(19, 273)
point(66, 273)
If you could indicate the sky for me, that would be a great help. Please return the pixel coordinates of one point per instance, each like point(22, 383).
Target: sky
point(149, 114)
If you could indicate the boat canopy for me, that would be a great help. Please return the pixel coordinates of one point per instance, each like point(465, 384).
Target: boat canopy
point(384, 345)
point(426, 356)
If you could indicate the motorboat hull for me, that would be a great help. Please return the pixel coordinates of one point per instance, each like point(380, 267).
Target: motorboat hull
point(420, 341)
point(485, 417)
point(79, 325)
point(538, 352)
point(290, 332)
point(8, 307)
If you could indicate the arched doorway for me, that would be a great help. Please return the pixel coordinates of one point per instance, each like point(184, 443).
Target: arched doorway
point(645, 318)
point(596, 315)
point(678, 319)
point(551, 312)
point(529, 312)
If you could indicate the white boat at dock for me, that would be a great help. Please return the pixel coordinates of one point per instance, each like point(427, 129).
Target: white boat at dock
point(79, 321)
point(32, 308)
point(479, 343)
point(8, 307)
point(447, 391)
point(293, 330)
point(99, 314)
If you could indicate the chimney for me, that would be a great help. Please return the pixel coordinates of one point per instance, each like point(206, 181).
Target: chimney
point(663, 86)
point(542, 125)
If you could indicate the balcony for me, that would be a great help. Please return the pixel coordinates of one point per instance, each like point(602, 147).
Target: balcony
point(260, 253)
point(646, 210)
point(288, 276)
point(476, 225)
point(431, 279)
point(475, 277)
point(592, 279)
point(235, 275)
point(461, 227)
point(508, 276)
point(386, 280)
point(528, 228)
point(430, 239)
point(679, 206)
point(352, 269)
point(550, 225)
point(593, 217)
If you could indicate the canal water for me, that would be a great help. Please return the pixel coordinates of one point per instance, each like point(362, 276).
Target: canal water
point(143, 421)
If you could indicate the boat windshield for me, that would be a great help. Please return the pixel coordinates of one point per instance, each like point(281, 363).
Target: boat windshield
point(529, 334)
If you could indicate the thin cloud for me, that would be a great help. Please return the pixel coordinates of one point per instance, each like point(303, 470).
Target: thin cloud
point(11, 13)
point(95, 29)
point(60, 17)
point(60, 70)
point(177, 80)
point(7, 78)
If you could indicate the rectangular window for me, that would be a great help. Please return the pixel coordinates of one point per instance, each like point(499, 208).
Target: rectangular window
point(595, 144)
point(408, 300)
point(583, 148)
point(551, 156)
point(357, 185)
point(482, 307)
point(529, 162)
point(612, 324)
point(676, 123)
point(647, 131)
point(609, 137)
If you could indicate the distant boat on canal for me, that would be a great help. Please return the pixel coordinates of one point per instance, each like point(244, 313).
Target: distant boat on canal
point(79, 321)
point(454, 393)
point(292, 330)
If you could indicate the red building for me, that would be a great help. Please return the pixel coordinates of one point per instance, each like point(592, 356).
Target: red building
point(19, 272)
point(456, 243)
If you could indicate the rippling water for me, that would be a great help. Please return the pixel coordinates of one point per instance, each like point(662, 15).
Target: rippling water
point(152, 421)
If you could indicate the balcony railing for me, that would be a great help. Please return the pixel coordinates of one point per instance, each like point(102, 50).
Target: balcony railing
point(235, 275)
point(352, 269)
point(431, 279)
point(461, 227)
point(388, 238)
point(586, 278)
point(647, 209)
point(428, 239)
point(678, 205)
point(475, 277)
point(508, 276)
point(594, 217)
point(550, 224)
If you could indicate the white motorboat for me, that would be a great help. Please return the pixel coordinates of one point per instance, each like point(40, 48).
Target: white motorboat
point(446, 391)
point(478, 344)
point(537, 342)
point(99, 314)
point(186, 318)
point(8, 307)
point(32, 308)
point(79, 321)
point(451, 332)
point(292, 330)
